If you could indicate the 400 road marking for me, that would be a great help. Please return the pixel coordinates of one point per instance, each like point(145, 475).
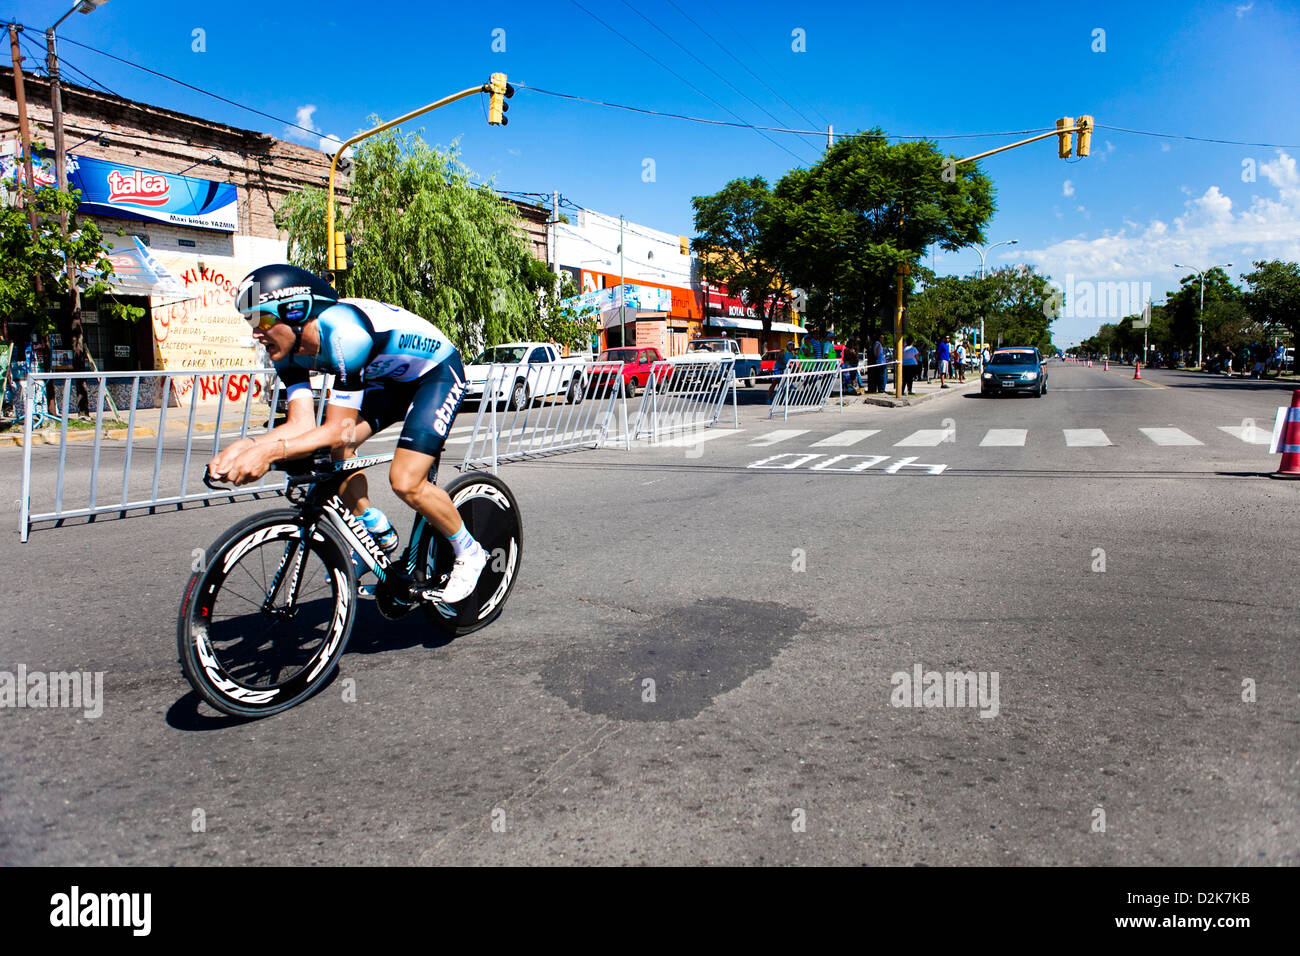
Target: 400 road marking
point(790, 461)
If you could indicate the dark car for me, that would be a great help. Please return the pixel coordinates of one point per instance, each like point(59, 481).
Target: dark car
point(1013, 371)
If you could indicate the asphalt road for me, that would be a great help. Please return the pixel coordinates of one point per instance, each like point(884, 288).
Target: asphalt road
point(771, 585)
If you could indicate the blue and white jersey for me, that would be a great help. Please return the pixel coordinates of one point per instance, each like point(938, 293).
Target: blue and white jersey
point(364, 343)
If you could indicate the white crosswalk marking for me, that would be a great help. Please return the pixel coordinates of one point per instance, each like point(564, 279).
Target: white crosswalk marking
point(1085, 437)
point(690, 438)
point(926, 437)
point(1251, 434)
point(846, 438)
point(1004, 438)
point(771, 438)
point(1169, 436)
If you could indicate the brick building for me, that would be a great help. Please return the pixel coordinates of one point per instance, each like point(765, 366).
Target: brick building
point(221, 185)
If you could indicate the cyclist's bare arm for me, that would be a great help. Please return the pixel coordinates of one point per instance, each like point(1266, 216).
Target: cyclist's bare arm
point(250, 458)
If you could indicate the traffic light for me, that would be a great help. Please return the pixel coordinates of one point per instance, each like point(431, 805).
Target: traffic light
point(342, 251)
point(1085, 136)
point(500, 91)
point(1064, 136)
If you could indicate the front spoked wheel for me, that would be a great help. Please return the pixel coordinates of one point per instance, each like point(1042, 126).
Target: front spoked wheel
point(266, 621)
point(491, 514)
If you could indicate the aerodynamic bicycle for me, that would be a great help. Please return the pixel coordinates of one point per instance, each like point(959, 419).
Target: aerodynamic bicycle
point(267, 616)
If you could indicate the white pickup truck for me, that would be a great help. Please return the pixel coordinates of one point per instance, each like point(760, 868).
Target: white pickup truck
point(525, 371)
point(749, 365)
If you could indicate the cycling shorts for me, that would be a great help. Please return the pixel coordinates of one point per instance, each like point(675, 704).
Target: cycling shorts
point(428, 404)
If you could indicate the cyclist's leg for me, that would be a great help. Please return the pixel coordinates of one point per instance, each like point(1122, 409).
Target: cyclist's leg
point(355, 492)
point(433, 408)
point(428, 422)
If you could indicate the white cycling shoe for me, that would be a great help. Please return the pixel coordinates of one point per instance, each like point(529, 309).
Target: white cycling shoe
point(464, 575)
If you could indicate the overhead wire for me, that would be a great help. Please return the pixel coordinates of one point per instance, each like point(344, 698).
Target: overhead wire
point(745, 66)
point(704, 64)
point(651, 56)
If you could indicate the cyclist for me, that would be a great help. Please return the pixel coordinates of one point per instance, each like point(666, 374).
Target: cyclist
point(389, 365)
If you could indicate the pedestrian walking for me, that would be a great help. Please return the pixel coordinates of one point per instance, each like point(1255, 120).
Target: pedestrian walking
point(944, 358)
point(961, 363)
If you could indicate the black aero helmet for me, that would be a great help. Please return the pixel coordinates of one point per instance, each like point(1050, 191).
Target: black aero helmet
point(283, 293)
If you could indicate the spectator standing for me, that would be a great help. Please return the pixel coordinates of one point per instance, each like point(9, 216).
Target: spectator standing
point(961, 362)
point(877, 374)
point(943, 357)
point(782, 363)
point(79, 364)
point(911, 365)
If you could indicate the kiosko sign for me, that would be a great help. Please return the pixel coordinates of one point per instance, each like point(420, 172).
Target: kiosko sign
point(114, 189)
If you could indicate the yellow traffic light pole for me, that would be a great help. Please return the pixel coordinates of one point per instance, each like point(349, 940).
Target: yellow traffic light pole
point(498, 89)
point(1065, 128)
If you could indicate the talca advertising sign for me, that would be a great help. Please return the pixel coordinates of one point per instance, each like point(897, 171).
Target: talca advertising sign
point(115, 189)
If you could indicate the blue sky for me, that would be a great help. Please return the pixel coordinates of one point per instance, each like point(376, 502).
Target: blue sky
point(1127, 213)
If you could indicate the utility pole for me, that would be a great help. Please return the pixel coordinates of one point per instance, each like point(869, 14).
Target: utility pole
point(56, 113)
point(622, 289)
point(23, 131)
point(830, 135)
point(555, 229)
point(903, 270)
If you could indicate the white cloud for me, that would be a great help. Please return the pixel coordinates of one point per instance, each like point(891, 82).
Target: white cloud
point(1067, 188)
point(1243, 10)
point(313, 135)
point(1211, 229)
point(1164, 147)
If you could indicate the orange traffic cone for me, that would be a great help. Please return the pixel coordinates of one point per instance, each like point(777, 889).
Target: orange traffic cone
point(1137, 369)
point(1287, 441)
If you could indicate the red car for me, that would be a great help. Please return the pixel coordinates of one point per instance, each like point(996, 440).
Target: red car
point(638, 366)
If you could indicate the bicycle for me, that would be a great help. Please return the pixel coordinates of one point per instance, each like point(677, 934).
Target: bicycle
point(292, 585)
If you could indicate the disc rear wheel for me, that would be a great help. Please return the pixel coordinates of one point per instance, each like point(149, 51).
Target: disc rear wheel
point(491, 515)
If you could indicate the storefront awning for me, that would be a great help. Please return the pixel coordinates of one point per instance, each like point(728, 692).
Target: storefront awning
point(137, 272)
point(755, 324)
point(733, 323)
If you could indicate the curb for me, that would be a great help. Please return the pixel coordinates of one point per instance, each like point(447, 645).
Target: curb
point(51, 437)
point(888, 401)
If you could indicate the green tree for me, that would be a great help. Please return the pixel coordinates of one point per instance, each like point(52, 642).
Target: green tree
point(1184, 305)
point(732, 233)
point(559, 319)
point(840, 229)
point(1018, 307)
point(40, 257)
point(1273, 298)
point(427, 239)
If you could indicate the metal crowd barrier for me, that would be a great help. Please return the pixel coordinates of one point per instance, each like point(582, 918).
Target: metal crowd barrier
point(806, 386)
point(689, 394)
point(548, 407)
point(245, 400)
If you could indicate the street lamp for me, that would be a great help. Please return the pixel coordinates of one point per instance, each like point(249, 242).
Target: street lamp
point(56, 113)
point(1200, 315)
point(984, 252)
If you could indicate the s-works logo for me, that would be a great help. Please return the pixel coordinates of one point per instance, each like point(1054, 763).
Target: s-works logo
point(138, 188)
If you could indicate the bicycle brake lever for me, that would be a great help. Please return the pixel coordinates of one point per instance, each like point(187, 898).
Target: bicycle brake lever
point(207, 480)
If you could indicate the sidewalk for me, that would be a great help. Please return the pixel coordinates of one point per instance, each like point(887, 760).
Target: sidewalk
point(146, 424)
point(924, 392)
